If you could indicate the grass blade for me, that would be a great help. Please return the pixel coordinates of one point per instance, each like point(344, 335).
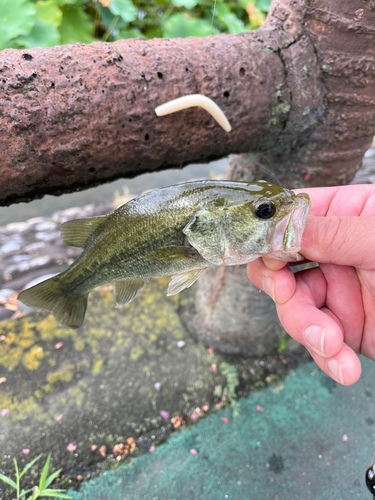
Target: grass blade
point(8, 481)
point(15, 466)
point(29, 465)
point(53, 494)
point(43, 477)
point(52, 477)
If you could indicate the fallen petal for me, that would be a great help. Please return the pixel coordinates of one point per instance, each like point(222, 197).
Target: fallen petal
point(225, 420)
point(164, 414)
point(193, 452)
point(72, 446)
point(259, 408)
point(4, 412)
point(152, 449)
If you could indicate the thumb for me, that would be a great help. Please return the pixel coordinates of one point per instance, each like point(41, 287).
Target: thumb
point(347, 241)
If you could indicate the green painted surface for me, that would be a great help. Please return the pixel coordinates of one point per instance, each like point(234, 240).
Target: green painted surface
point(294, 449)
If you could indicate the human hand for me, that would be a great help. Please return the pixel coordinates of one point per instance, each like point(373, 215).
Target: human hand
point(330, 309)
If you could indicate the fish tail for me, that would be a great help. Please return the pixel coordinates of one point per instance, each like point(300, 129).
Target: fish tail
point(70, 311)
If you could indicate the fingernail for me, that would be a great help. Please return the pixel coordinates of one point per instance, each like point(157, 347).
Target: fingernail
point(268, 286)
point(314, 337)
point(335, 369)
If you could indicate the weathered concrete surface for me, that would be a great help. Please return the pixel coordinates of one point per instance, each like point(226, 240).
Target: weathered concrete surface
point(96, 385)
point(312, 439)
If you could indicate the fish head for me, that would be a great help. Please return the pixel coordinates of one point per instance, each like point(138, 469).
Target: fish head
point(265, 222)
point(271, 225)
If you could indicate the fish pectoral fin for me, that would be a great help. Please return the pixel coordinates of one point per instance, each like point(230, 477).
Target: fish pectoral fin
point(125, 291)
point(173, 253)
point(74, 233)
point(184, 280)
point(205, 232)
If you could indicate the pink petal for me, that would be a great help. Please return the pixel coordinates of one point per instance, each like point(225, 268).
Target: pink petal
point(164, 414)
point(59, 417)
point(26, 451)
point(59, 345)
point(152, 449)
point(4, 412)
point(345, 437)
point(193, 452)
point(308, 176)
point(72, 446)
point(210, 349)
point(259, 408)
point(225, 420)
point(194, 416)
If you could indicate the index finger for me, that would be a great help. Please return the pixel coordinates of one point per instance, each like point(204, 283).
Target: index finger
point(341, 200)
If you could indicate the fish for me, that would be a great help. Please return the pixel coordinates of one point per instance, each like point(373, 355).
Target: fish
point(176, 231)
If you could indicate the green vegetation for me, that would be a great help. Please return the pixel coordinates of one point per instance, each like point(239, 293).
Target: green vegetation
point(44, 23)
point(38, 491)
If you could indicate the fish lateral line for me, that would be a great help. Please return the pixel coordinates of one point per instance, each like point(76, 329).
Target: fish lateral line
point(195, 100)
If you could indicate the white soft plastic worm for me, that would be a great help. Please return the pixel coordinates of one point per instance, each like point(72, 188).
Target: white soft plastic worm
point(189, 101)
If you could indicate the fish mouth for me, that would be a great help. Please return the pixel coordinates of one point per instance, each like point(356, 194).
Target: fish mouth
point(288, 232)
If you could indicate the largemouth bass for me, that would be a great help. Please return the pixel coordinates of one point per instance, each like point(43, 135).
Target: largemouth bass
point(176, 231)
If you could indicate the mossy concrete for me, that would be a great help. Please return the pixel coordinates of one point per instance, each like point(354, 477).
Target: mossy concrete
point(95, 386)
point(304, 438)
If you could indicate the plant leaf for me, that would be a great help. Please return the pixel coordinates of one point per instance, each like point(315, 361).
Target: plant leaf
point(17, 18)
point(123, 8)
point(43, 477)
point(187, 4)
point(75, 26)
point(8, 481)
point(42, 35)
point(52, 477)
point(16, 466)
point(30, 465)
point(49, 12)
point(53, 494)
point(182, 26)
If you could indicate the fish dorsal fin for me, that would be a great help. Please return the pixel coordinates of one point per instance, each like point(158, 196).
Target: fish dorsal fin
point(125, 291)
point(184, 280)
point(173, 253)
point(206, 233)
point(74, 233)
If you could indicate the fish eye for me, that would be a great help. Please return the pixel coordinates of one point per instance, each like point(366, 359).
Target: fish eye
point(265, 210)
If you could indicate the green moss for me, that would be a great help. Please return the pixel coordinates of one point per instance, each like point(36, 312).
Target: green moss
point(97, 366)
point(31, 360)
point(64, 375)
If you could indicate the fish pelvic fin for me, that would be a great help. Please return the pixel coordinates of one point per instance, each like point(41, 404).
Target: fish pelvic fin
point(74, 233)
point(125, 291)
point(184, 280)
point(70, 311)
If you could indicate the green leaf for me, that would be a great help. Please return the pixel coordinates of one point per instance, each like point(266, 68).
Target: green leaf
point(125, 9)
point(233, 24)
point(181, 26)
point(263, 5)
point(17, 17)
point(122, 34)
point(75, 26)
point(43, 477)
point(187, 4)
point(61, 3)
point(52, 477)
point(49, 13)
point(30, 465)
point(42, 35)
point(106, 17)
point(53, 494)
point(8, 481)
